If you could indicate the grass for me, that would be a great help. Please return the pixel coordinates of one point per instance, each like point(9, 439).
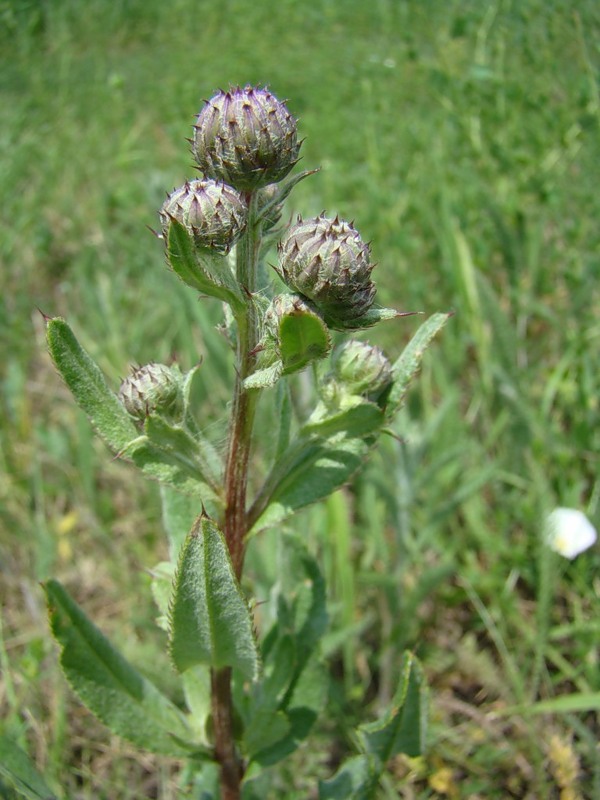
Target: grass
point(463, 138)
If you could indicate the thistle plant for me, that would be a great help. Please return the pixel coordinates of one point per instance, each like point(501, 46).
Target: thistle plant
point(250, 694)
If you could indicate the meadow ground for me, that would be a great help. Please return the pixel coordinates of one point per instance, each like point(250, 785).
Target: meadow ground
point(463, 139)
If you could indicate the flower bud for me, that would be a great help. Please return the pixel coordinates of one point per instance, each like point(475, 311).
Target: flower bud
point(327, 261)
point(361, 368)
point(213, 213)
point(245, 137)
point(151, 389)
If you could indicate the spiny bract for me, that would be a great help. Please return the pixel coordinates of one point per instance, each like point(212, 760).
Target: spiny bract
point(245, 137)
point(213, 213)
point(326, 260)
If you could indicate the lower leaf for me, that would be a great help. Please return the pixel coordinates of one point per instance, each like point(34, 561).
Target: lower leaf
point(124, 700)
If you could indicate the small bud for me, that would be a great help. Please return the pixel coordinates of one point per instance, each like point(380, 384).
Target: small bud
point(245, 137)
point(213, 213)
point(327, 261)
point(361, 368)
point(153, 388)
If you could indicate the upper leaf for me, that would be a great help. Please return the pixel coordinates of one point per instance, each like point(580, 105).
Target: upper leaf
point(311, 469)
point(86, 381)
point(409, 362)
point(128, 703)
point(208, 274)
point(209, 619)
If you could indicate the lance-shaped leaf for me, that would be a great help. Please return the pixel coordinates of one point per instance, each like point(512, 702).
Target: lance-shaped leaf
point(168, 467)
point(90, 390)
point(123, 699)
point(356, 779)
point(19, 770)
point(408, 364)
point(403, 728)
point(159, 459)
point(358, 418)
point(209, 619)
point(311, 469)
point(208, 274)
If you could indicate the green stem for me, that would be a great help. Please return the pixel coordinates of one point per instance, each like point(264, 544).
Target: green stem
point(236, 481)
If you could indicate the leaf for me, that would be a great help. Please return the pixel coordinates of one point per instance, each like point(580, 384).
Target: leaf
point(209, 619)
point(19, 769)
point(295, 682)
point(408, 364)
point(267, 728)
point(301, 711)
point(402, 729)
point(168, 467)
point(196, 687)
point(264, 378)
point(356, 779)
point(208, 274)
point(90, 390)
point(303, 337)
point(311, 469)
point(128, 703)
point(161, 587)
point(356, 420)
point(179, 512)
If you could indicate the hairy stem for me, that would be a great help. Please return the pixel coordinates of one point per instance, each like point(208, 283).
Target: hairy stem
point(236, 481)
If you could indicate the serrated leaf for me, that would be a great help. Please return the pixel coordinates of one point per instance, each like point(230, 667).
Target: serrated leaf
point(209, 618)
point(356, 779)
point(409, 362)
point(128, 703)
point(161, 585)
point(20, 771)
point(208, 274)
point(311, 469)
point(303, 337)
point(403, 728)
point(88, 386)
point(264, 378)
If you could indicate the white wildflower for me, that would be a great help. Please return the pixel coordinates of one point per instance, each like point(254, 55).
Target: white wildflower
point(569, 532)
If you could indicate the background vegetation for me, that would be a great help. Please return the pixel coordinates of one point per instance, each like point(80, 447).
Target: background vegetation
point(463, 138)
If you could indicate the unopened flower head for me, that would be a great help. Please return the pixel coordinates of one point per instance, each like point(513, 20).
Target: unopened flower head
point(153, 388)
point(361, 368)
point(245, 137)
point(326, 260)
point(213, 213)
point(569, 532)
